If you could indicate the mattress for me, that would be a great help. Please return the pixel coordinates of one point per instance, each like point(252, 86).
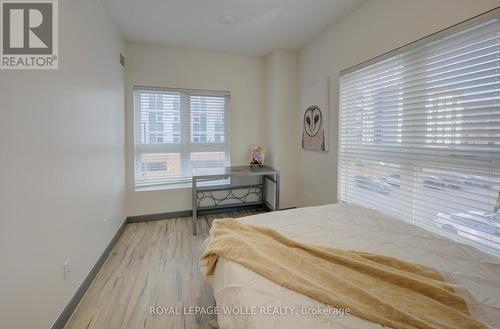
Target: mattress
point(248, 300)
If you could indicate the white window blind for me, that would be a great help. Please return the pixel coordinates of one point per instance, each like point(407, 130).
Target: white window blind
point(420, 135)
point(177, 130)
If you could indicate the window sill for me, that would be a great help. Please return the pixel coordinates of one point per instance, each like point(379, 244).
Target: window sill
point(163, 187)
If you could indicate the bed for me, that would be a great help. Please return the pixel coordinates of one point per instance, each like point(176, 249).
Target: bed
point(355, 228)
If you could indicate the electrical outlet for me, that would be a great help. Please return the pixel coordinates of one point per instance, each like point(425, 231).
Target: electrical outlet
point(67, 269)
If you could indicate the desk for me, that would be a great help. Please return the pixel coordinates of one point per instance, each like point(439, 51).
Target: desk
point(201, 175)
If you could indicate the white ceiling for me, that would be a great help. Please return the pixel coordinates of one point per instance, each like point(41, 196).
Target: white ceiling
point(260, 27)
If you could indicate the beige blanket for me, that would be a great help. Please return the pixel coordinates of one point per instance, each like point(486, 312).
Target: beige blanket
point(374, 287)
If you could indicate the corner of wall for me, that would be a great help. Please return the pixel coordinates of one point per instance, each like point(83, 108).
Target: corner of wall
point(282, 120)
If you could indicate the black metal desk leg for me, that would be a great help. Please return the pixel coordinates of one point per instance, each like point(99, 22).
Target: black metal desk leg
point(277, 192)
point(263, 182)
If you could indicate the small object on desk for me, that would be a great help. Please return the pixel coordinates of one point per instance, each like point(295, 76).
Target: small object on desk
point(213, 174)
point(257, 156)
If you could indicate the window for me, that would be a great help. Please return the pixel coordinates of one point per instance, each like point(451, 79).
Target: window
point(420, 134)
point(155, 166)
point(175, 131)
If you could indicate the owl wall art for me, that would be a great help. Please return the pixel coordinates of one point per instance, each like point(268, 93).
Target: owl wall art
point(315, 117)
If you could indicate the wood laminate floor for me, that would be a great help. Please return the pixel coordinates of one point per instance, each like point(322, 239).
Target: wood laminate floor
point(152, 264)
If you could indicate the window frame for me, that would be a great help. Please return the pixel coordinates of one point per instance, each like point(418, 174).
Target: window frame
point(413, 169)
point(185, 147)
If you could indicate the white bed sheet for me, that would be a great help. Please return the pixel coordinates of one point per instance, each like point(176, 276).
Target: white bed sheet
point(354, 228)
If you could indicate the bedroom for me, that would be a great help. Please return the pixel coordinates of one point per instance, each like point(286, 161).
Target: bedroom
point(377, 122)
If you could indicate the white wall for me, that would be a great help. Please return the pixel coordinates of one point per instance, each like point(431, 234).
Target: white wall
point(373, 29)
point(283, 121)
point(62, 171)
point(161, 66)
